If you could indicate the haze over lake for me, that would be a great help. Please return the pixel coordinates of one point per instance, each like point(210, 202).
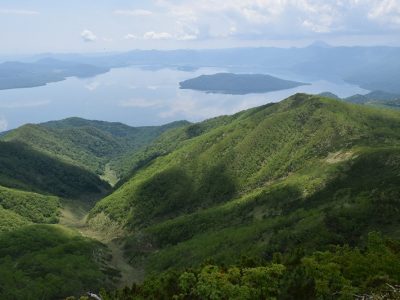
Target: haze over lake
point(138, 97)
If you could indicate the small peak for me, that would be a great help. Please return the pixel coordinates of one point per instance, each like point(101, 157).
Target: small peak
point(319, 44)
point(329, 95)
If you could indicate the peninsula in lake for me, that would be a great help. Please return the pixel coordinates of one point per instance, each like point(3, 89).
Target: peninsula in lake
point(238, 84)
point(14, 75)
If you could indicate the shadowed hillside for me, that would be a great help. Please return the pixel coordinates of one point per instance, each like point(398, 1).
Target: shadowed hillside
point(88, 144)
point(27, 169)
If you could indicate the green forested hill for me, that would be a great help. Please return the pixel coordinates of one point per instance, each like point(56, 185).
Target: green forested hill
point(33, 207)
point(23, 168)
point(39, 261)
point(50, 262)
point(42, 169)
point(280, 201)
point(309, 171)
point(10, 220)
point(374, 98)
point(88, 144)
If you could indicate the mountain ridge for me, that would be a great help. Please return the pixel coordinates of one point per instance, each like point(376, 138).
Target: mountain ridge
point(88, 144)
point(253, 173)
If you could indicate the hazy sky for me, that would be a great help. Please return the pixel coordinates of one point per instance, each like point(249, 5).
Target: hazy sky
point(31, 26)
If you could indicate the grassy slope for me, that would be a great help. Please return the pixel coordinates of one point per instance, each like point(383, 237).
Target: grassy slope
point(264, 180)
point(87, 144)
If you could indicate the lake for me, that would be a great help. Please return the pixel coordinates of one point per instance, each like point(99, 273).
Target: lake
point(138, 97)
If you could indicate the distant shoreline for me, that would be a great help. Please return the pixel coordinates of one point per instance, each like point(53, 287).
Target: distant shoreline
point(18, 75)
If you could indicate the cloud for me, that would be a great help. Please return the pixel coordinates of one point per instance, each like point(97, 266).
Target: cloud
point(92, 86)
point(151, 35)
point(279, 19)
point(153, 87)
point(3, 124)
point(131, 36)
point(134, 12)
point(187, 37)
point(18, 12)
point(386, 11)
point(88, 36)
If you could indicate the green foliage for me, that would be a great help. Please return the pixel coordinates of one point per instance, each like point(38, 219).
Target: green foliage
point(209, 282)
point(280, 219)
point(10, 220)
point(338, 273)
point(344, 272)
point(282, 183)
point(48, 262)
point(26, 169)
point(265, 180)
point(33, 207)
point(88, 144)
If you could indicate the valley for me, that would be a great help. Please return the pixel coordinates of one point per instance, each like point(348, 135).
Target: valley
point(50, 179)
point(74, 215)
point(264, 191)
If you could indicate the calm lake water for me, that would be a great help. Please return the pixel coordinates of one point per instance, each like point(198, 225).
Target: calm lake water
point(137, 97)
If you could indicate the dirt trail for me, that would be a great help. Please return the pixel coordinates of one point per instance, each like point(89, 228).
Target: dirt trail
point(74, 215)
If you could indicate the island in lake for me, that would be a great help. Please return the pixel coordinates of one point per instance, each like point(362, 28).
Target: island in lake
point(238, 84)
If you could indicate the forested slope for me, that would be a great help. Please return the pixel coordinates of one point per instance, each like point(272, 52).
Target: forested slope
point(24, 168)
point(306, 172)
point(88, 144)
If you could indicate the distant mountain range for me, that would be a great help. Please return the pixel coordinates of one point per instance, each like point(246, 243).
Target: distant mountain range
point(375, 98)
point(238, 84)
point(372, 68)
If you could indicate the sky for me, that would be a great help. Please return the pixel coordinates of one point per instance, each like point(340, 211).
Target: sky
point(37, 26)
